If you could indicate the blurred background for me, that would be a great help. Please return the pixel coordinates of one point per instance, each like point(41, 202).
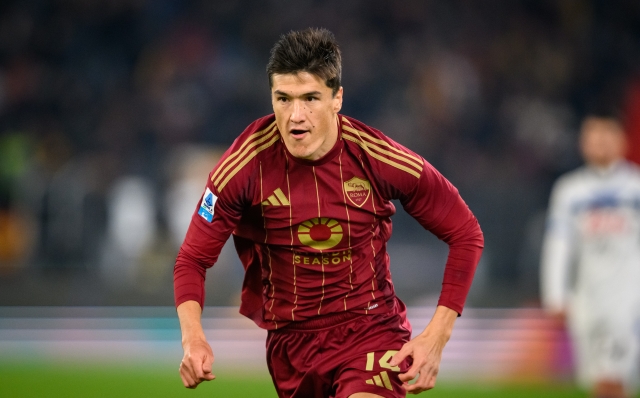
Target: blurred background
point(112, 113)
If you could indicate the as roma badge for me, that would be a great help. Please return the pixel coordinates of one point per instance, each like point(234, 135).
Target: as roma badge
point(357, 190)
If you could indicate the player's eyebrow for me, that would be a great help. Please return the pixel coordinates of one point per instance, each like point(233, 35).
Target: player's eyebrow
point(309, 94)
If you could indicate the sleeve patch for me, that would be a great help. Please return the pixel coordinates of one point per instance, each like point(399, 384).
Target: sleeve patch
point(206, 207)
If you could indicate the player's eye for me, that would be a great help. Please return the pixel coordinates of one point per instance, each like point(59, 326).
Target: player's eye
point(282, 99)
point(311, 99)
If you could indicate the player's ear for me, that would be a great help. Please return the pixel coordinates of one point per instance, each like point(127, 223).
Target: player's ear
point(337, 100)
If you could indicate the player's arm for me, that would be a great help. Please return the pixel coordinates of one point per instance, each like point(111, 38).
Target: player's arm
point(438, 207)
point(557, 253)
point(436, 204)
point(211, 225)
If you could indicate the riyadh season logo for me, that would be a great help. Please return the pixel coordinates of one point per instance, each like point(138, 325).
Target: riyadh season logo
point(320, 233)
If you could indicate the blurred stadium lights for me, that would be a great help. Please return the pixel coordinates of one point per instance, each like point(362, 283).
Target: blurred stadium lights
point(501, 345)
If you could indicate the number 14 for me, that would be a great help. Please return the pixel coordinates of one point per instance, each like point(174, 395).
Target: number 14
point(383, 362)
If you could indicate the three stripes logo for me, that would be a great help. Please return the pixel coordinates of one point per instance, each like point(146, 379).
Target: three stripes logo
point(278, 198)
point(381, 381)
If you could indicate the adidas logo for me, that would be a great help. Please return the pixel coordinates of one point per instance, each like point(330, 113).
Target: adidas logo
point(381, 381)
point(277, 199)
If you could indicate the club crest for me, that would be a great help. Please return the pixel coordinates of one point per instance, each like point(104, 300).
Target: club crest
point(357, 190)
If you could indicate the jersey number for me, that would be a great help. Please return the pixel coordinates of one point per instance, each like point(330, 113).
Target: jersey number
point(383, 361)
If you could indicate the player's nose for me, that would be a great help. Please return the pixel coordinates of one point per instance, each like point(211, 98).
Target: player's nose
point(298, 112)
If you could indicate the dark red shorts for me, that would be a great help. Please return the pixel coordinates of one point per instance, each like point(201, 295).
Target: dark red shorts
point(338, 355)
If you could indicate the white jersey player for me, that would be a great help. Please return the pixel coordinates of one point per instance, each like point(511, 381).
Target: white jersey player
point(590, 268)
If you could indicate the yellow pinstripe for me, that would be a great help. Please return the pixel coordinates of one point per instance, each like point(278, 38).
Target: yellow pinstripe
point(397, 153)
point(367, 147)
point(246, 160)
point(242, 147)
point(346, 208)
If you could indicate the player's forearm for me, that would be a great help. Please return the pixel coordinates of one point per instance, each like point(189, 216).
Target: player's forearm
point(198, 252)
point(442, 323)
point(466, 241)
point(189, 314)
point(188, 277)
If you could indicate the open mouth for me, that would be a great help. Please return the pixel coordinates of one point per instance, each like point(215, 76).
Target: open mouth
point(297, 132)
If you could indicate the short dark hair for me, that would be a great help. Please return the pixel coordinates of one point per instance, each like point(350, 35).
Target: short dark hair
point(311, 50)
point(608, 112)
point(604, 108)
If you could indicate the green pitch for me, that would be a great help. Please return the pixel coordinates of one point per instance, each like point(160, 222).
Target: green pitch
point(77, 380)
point(88, 381)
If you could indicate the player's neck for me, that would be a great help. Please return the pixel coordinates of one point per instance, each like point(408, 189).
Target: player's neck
point(603, 168)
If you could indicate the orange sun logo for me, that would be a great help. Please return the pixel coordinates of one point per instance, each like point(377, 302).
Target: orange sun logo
point(320, 233)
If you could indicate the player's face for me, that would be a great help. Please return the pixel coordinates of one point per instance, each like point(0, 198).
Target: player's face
point(306, 113)
point(602, 141)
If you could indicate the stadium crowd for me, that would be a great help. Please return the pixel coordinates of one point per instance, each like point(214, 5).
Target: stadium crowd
point(110, 110)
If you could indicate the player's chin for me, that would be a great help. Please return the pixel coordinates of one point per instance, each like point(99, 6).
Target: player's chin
point(300, 151)
point(300, 156)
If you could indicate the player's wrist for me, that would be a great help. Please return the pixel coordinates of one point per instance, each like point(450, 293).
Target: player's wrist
point(191, 339)
point(441, 323)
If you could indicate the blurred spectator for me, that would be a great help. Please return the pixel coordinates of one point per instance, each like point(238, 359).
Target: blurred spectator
point(131, 230)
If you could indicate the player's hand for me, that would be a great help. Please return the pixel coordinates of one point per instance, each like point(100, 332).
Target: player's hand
point(196, 363)
point(426, 351)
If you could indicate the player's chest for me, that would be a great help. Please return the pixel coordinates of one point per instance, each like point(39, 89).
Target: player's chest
point(611, 212)
point(322, 207)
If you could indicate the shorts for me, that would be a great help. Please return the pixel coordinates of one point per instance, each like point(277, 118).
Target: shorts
point(338, 355)
point(606, 344)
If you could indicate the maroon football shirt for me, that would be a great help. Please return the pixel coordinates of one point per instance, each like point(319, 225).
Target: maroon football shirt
point(312, 234)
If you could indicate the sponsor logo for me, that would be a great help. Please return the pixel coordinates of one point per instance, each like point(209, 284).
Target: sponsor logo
point(320, 233)
point(207, 205)
point(606, 222)
point(277, 199)
point(334, 258)
point(357, 190)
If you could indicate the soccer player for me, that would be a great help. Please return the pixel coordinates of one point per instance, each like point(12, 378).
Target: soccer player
point(306, 193)
point(590, 268)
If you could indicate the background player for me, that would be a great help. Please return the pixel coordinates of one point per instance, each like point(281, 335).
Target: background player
point(594, 225)
point(306, 194)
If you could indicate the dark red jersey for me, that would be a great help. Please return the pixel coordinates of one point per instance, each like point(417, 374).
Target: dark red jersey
point(312, 235)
